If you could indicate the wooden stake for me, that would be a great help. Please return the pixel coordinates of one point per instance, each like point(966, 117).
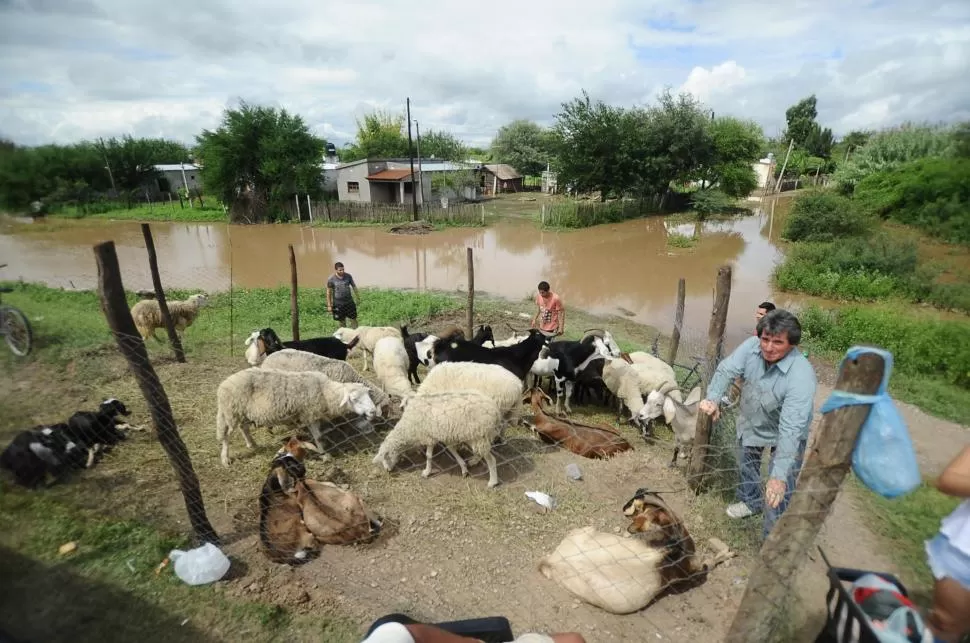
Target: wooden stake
point(173, 337)
point(698, 467)
point(678, 320)
point(827, 461)
point(112, 294)
point(470, 320)
point(294, 302)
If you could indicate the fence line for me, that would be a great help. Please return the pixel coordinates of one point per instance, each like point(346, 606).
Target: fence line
point(350, 212)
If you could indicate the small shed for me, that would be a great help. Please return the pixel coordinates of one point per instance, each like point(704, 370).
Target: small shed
point(500, 177)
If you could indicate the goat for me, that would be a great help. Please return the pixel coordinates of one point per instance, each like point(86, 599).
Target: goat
point(37, 452)
point(517, 359)
point(261, 343)
point(681, 416)
point(587, 440)
point(573, 357)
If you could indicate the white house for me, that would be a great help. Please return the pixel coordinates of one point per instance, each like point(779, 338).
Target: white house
point(174, 176)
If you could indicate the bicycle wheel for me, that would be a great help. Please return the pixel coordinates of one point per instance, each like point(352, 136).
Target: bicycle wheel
point(16, 330)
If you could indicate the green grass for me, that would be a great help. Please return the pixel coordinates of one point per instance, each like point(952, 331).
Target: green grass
point(678, 240)
point(157, 212)
point(112, 575)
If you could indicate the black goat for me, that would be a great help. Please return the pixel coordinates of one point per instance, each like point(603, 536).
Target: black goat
point(516, 359)
point(266, 341)
point(410, 339)
point(39, 451)
point(574, 357)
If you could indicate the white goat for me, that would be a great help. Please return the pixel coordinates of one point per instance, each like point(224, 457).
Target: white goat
point(290, 359)
point(369, 336)
point(148, 315)
point(458, 417)
point(682, 417)
point(266, 397)
point(391, 365)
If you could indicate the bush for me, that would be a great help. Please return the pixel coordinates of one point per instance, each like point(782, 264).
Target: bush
point(920, 346)
point(582, 214)
point(932, 194)
point(825, 216)
point(890, 149)
point(708, 202)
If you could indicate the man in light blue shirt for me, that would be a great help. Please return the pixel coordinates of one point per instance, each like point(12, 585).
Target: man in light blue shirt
point(776, 409)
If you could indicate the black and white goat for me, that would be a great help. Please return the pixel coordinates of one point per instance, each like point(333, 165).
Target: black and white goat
point(572, 358)
point(410, 339)
point(424, 347)
point(261, 343)
point(517, 359)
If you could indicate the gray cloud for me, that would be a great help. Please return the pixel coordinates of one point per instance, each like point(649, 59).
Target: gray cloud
point(115, 67)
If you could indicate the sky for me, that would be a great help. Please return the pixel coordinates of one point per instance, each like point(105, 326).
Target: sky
point(79, 69)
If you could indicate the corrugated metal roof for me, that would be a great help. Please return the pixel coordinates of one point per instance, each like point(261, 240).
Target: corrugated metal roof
point(389, 175)
point(176, 167)
point(503, 171)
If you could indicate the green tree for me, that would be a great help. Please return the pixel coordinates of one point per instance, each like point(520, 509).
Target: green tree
point(524, 145)
point(803, 127)
point(379, 135)
point(259, 157)
point(591, 147)
point(736, 144)
point(132, 160)
point(442, 145)
point(891, 148)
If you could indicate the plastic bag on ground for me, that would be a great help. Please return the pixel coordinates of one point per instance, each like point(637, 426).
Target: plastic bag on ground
point(883, 457)
point(199, 566)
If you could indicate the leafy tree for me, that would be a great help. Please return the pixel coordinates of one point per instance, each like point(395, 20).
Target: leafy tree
point(891, 148)
point(259, 157)
point(379, 135)
point(592, 148)
point(132, 160)
point(442, 145)
point(961, 140)
point(806, 131)
point(735, 145)
point(524, 145)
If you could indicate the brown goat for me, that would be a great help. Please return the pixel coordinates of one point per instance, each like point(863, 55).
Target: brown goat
point(282, 535)
point(587, 440)
point(334, 516)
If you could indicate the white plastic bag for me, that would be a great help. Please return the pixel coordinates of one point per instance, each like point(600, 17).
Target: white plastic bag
point(199, 566)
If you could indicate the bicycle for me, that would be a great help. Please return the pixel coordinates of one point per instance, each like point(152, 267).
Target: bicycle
point(14, 327)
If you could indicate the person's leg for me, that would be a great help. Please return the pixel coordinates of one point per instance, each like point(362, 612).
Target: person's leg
point(950, 614)
point(772, 515)
point(749, 495)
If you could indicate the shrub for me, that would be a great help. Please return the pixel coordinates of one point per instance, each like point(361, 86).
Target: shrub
point(708, 202)
point(892, 148)
point(825, 216)
point(582, 214)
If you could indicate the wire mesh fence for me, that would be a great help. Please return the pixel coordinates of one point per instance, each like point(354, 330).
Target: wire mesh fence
point(338, 486)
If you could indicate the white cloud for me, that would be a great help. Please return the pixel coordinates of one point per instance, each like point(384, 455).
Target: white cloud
point(73, 69)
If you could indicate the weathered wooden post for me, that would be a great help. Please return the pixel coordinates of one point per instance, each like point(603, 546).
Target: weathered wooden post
point(470, 320)
point(698, 467)
point(827, 460)
point(112, 294)
point(294, 293)
point(678, 320)
point(173, 337)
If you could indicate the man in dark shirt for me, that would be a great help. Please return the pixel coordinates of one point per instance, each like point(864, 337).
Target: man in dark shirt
point(341, 293)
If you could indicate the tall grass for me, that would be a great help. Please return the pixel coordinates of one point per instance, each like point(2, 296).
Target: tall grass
point(583, 214)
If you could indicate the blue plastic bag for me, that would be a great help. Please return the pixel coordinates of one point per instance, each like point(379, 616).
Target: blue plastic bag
point(883, 458)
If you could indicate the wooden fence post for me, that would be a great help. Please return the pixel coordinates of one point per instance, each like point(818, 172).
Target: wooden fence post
point(112, 294)
point(294, 293)
point(678, 320)
point(173, 337)
point(470, 320)
point(698, 467)
point(827, 460)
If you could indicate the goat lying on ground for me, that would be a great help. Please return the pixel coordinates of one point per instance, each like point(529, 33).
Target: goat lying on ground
point(283, 537)
point(586, 440)
point(682, 417)
point(624, 575)
point(261, 343)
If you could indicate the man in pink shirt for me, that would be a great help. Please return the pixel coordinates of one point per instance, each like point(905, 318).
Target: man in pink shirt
point(550, 318)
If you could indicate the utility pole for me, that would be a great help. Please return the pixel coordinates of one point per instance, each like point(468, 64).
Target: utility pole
point(188, 194)
point(107, 165)
point(414, 194)
point(417, 141)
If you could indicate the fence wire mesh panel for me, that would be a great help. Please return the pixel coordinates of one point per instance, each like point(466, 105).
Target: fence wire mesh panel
point(342, 491)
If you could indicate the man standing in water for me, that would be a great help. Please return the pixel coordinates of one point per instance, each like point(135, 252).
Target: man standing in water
point(341, 293)
point(550, 317)
point(777, 405)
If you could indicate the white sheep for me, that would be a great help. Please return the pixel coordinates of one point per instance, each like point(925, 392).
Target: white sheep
point(681, 417)
point(497, 382)
point(391, 365)
point(369, 336)
point(290, 359)
point(268, 397)
point(654, 374)
point(148, 315)
point(458, 417)
point(623, 382)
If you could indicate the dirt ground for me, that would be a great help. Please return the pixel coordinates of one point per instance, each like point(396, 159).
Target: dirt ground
point(451, 548)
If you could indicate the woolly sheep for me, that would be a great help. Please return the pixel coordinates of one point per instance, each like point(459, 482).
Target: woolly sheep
point(502, 386)
point(267, 397)
point(654, 373)
point(457, 417)
point(391, 365)
point(290, 359)
point(623, 382)
point(148, 315)
point(369, 336)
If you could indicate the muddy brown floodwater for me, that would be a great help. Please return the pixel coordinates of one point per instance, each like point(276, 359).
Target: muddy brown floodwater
point(611, 269)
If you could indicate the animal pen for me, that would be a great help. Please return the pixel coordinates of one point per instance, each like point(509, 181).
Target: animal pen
point(446, 547)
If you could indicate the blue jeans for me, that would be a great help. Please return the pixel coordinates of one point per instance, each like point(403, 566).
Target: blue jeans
point(749, 489)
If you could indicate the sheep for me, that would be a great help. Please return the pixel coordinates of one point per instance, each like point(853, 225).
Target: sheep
point(261, 343)
point(622, 381)
point(517, 359)
point(391, 366)
point(264, 397)
point(511, 340)
point(148, 315)
point(654, 373)
point(682, 417)
point(453, 418)
point(290, 359)
point(503, 387)
point(368, 335)
point(410, 342)
point(587, 440)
